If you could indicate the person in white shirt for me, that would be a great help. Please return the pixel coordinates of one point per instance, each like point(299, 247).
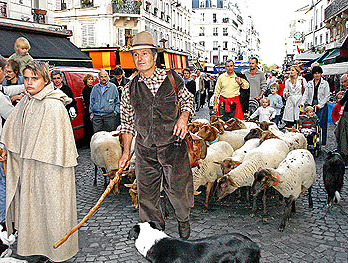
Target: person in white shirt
point(265, 112)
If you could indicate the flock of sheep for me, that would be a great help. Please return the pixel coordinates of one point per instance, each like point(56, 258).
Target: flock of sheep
point(239, 154)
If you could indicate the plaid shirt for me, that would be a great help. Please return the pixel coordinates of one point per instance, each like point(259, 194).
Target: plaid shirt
point(153, 83)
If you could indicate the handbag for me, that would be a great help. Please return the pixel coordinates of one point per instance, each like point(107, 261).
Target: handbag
point(196, 146)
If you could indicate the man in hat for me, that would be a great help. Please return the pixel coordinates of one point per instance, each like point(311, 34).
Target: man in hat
point(150, 107)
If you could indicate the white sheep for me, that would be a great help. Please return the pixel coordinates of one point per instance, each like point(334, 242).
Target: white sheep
point(106, 151)
point(209, 168)
point(234, 138)
point(268, 154)
point(294, 175)
point(294, 140)
point(240, 153)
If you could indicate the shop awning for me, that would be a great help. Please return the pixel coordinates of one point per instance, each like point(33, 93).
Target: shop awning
point(331, 58)
point(126, 60)
point(104, 59)
point(56, 49)
point(175, 61)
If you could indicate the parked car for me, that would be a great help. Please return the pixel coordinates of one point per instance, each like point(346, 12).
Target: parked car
point(73, 76)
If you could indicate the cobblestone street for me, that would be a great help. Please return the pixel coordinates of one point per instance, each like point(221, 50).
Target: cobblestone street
point(312, 235)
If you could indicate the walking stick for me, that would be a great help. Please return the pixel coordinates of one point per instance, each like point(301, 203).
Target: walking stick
point(116, 179)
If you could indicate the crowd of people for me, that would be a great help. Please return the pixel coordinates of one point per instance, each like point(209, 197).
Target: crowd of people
point(153, 106)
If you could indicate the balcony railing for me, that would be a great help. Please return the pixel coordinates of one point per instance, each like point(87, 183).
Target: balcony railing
point(39, 15)
point(3, 9)
point(335, 7)
point(128, 7)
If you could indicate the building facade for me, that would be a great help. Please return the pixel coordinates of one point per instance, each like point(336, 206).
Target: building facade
point(103, 23)
point(225, 33)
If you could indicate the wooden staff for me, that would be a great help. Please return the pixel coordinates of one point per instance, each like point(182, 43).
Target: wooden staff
point(117, 179)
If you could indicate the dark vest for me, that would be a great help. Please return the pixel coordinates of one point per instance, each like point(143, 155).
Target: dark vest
point(155, 116)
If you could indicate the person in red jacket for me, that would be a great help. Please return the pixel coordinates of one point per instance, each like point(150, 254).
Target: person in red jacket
point(338, 109)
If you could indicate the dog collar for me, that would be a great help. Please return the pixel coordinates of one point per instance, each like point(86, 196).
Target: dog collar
point(277, 176)
point(216, 140)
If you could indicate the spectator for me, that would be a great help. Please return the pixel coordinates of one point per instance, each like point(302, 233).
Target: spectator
point(308, 123)
point(88, 80)
point(276, 102)
point(5, 110)
point(293, 94)
point(337, 111)
point(57, 79)
point(104, 107)
point(271, 79)
point(204, 89)
point(341, 130)
point(149, 107)
point(190, 84)
point(227, 91)
point(21, 55)
point(199, 89)
point(317, 93)
point(308, 73)
point(12, 77)
point(40, 180)
point(265, 112)
point(119, 79)
point(256, 79)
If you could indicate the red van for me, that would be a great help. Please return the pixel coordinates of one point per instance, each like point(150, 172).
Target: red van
point(73, 76)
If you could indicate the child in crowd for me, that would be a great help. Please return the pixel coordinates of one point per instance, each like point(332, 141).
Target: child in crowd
point(276, 102)
point(338, 109)
point(265, 112)
point(308, 123)
point(21, 54)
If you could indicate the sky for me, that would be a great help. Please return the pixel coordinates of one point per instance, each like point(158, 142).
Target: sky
point(271, 19)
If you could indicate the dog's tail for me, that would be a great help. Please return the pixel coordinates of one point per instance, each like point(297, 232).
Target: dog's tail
point(337, 198)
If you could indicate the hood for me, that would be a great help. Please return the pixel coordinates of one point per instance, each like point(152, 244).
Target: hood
point(51, 93)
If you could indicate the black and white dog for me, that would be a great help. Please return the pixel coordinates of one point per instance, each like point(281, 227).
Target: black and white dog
point(158, 247)
point(5, 251)
point(333, 174)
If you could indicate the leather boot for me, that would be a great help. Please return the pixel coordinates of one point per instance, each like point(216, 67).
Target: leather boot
point(184, 229)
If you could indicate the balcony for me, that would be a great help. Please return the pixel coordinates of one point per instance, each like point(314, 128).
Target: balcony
point(39, 16)
point(335, 7)
point(3, 9)
point(128, 7)
point(86, 3)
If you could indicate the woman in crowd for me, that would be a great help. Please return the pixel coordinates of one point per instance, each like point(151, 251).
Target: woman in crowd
point(40, 180)
point(88, 80)
point(293, 94)
point(341, 130)
point(317, 94)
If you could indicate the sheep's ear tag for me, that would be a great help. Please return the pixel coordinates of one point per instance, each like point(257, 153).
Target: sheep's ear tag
point(276, 181)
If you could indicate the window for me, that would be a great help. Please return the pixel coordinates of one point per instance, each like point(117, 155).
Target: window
point(327, 38)
point(202, 17)
point(224, 58)
point(321, 39)
point(88, 35)
point(316, 41)
point(225, 31)
point(225, 45)
point(215, 45)
point(202, 3)
point(202, 43)
point(201, 31)
point(215, 31)
point(214, 18)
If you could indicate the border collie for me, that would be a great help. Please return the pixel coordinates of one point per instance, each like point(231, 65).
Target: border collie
point(333, 174)
point(157, 247)
point(5, 251)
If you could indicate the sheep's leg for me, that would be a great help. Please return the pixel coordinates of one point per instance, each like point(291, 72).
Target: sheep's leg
point(207, 194)
point(95, 175)
point(253, 210)
point(238, 194)
point(310, 200)
point(264, 198)
point(105, 179)
point(287, 212)
point(247, 194)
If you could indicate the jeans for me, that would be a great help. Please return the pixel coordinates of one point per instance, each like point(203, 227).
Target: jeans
point(2, 194)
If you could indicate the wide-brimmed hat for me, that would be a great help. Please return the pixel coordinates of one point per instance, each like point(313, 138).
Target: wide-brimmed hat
point(142, 40)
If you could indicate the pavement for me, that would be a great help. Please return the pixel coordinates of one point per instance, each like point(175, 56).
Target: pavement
point(312, 235)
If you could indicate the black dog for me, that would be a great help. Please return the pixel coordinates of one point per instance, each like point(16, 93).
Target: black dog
point(333, 174)
point(157, 247)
